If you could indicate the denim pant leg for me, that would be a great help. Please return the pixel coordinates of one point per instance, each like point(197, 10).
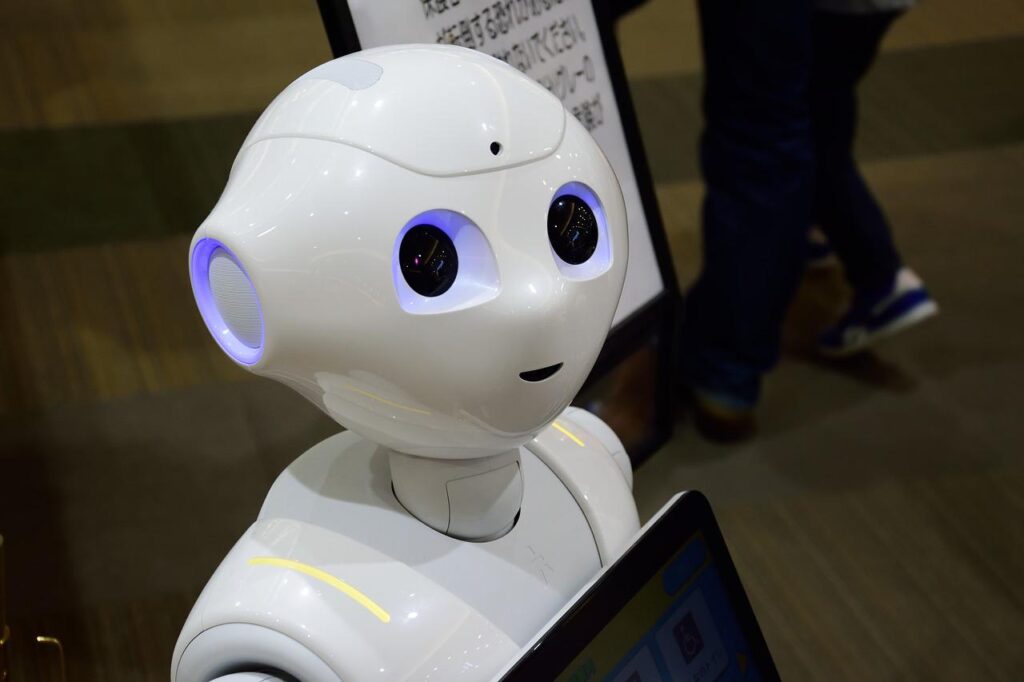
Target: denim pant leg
point(845, 45)
point(757, 160)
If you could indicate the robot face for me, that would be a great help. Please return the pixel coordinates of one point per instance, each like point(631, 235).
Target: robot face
point(421, 242)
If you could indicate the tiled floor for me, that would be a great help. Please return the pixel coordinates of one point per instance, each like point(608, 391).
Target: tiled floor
point(877, 519)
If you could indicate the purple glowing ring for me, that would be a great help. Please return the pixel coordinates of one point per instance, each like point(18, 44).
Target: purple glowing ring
point(199, 273)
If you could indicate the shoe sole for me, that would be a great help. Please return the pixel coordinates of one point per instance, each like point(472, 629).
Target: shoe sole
point(914, 316)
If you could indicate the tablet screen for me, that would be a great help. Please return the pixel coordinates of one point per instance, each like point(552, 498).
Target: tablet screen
point(671, 608)
point(679, 626)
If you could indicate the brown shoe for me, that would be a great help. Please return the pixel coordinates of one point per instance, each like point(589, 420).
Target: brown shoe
point(721, 421)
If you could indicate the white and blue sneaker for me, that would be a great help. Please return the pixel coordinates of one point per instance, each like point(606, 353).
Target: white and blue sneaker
point(903, 306)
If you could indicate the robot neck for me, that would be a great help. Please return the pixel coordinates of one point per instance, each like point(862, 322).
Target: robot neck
point(470, 499)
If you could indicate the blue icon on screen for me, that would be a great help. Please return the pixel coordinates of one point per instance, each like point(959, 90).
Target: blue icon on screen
point(688, 637)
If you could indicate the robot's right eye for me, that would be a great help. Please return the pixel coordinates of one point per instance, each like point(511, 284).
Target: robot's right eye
point(578, 232)
point(442, 262)
point(428, 260)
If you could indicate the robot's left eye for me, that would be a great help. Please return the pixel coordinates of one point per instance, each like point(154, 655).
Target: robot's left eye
point(572, 229)
point(428, 260)
point(578, 232)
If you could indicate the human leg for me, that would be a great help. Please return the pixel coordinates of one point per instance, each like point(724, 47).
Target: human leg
point(845, 46)
point(887, 296)
point(757, 159)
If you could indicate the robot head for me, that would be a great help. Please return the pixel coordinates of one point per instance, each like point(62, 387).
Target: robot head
point(421, 241)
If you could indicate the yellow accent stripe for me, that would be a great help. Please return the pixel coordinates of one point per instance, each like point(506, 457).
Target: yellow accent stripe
point(324, 577)
point(376, 397)
point(570, 434)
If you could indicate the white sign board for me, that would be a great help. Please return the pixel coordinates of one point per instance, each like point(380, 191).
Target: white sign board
point(557, 43)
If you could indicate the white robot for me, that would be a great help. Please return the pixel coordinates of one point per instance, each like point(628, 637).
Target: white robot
point(422, 242)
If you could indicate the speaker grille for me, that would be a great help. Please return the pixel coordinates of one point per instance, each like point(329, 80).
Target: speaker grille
point(227, 301)
point(235, 299)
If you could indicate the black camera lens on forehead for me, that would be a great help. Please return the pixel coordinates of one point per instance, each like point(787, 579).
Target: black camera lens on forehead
point(428, 260)
point(572, 229)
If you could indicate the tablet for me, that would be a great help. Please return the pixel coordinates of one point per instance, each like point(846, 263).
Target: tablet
point(670, 608)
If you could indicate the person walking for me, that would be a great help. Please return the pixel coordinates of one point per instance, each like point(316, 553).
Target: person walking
point(776, 153)
point(887, 296)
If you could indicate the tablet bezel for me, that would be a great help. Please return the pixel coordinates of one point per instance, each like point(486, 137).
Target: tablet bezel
point(678, 522)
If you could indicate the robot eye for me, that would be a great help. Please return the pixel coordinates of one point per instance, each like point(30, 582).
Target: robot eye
point(442, 262)
point(428, 260)
point(572, 229)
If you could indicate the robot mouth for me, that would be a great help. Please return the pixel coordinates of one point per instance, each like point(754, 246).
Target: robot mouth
point(535, 375)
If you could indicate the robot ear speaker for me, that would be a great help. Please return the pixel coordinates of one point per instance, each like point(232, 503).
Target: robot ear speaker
point(236, 299)
point(227, 301)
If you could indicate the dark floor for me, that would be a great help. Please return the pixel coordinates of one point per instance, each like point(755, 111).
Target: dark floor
point(877, 520)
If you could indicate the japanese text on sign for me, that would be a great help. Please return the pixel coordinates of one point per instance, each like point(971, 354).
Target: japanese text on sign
point(545, 43)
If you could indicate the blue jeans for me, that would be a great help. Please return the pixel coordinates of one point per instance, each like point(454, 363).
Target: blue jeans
point(845, 46)
point(776, 157)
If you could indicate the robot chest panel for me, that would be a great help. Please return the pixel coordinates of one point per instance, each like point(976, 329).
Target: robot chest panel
point(516, 582)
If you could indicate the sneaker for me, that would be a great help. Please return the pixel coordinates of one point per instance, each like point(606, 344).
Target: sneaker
point(867, 321)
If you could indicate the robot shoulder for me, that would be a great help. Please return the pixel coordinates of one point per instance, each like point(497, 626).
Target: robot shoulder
point(602, 435)
point(589, 459)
